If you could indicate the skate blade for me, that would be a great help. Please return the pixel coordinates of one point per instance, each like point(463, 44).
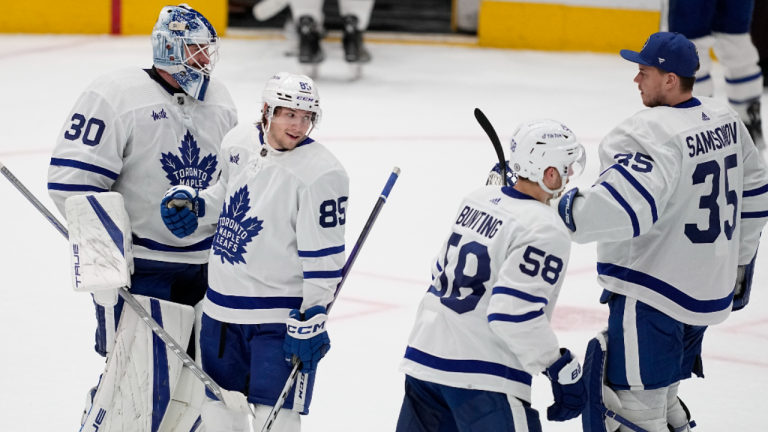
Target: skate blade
point(310, 69)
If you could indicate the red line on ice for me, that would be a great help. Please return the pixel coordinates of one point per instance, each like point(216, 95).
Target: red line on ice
point(376, 307)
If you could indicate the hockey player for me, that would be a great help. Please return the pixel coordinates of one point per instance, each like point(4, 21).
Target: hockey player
point(677, 210)
point(482, 329)
point(277, 255)
point(139, 132)
point(724, 26)
point(355, 15)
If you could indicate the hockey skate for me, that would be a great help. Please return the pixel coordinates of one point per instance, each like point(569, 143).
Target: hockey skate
point(755, 127)
point(355, 52)
point(310, 52)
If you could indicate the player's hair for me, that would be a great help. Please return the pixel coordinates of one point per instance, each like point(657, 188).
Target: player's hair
point(263, 121)
point(686, 83)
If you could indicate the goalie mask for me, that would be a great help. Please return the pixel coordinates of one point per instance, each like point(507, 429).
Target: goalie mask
point(540, 144)
point(292, 91)
point(185, 45)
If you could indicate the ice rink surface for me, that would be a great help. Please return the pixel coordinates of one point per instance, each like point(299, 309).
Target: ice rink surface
point(412, 109)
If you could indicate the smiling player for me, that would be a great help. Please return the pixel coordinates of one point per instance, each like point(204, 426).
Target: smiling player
point(277, 255)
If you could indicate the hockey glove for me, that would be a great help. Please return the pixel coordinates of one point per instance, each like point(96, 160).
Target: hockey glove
point(180, 209)
point(306, 338)
point(565, 208)
point(567, 388)
point(743, 287)
point(494, 177)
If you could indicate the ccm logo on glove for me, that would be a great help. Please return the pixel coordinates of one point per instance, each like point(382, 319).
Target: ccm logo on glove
point(305, 332)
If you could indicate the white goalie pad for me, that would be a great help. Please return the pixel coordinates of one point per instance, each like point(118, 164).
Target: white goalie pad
point(144, 388)
point(100, 242)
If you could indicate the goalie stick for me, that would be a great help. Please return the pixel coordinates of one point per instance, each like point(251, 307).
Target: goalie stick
point(344, 273)
point(127, 297)
point(491, 132)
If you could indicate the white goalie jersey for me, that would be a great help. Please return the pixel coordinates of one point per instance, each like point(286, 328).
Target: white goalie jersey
point(680, 203)
point(131, 134)
point(484, 323)
point(279, 242)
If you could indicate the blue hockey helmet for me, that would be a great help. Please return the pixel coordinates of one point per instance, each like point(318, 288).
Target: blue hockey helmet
point(185, 45)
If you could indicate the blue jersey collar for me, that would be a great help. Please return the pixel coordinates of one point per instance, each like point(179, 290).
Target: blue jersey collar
point(690, 103)
point(306, 141)
point(514, 193)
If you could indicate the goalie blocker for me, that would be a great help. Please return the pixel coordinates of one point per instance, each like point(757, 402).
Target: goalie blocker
point(100, 245)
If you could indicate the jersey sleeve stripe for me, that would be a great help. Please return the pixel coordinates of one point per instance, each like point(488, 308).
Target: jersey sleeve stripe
point(322, 252)
point(519, 294)
point(640, 188)
point(202, 245)
point(322, 274)
point(516, 318)
point(665, 289)
point(627, 208)
point(467, 366)
point(754, 215)
point(75, 187)
point(250, 303)
point(85, 167)
point(755, 192)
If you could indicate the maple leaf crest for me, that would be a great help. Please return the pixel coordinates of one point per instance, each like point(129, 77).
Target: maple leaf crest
point(188, 168)
point(234, 230)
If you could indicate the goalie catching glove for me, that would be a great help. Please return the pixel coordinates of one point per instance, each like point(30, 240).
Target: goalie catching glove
point(567, 388)
point(180, 208)
point(306, 338)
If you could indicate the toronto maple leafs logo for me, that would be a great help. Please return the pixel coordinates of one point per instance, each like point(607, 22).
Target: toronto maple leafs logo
point(159, 116)
point(234, 231)
point(189, 169)
point(235, 159)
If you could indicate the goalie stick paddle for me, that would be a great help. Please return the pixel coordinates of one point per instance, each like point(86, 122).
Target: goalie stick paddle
point(344, 273)
point(125, 294)
point(491, 132)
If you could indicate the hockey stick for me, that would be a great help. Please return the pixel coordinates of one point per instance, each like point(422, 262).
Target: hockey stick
point(344, 273)
point(266, 9)
point(491, 132)
point(125, 294)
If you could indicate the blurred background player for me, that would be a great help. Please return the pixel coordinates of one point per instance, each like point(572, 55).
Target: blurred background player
point(724, 26)
point(676, 214)
point(308, 16)
point(277, 255)
point(139, 132)
point(482, 329)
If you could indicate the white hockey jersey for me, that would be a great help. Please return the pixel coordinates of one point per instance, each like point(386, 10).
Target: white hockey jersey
point(484, 322)
point(279, 243)
point(680, 203)
point(131, 134)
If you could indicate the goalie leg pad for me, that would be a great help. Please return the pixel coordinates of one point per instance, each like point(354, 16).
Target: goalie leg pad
point(677, 413)
point(645, 408)
point(286, 421)
point(218, 418)
point(141, 375)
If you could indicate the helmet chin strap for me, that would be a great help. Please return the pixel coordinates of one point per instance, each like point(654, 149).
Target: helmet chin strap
point(555, 193)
